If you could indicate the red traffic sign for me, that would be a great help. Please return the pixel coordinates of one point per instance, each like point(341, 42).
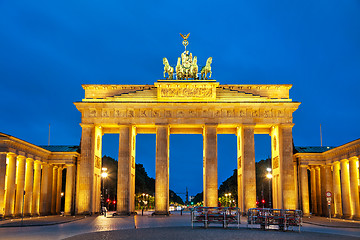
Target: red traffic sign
point(328, 194)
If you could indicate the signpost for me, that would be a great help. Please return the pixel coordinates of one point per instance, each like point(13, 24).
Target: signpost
point(328, 198)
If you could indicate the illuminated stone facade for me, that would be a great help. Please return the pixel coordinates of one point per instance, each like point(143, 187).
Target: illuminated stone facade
point(329, 169)
point(31, 177)
point(186, 107)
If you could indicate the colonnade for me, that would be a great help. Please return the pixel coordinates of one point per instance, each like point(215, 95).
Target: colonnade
point(33, 187)
point(245, 162)
point(341, 178)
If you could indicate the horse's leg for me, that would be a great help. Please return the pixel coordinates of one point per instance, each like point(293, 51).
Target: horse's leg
point(210, 74)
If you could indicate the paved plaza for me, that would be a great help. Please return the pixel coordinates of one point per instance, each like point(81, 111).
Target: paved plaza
point(175, 226)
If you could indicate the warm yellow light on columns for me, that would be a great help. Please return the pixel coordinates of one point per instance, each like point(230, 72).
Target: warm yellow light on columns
point(2, 183)
point(50, 188)
point(246, 151)
point(36, 189)
point(58, 191)
point(289, 193)
point(337, 190)
point(124, 171)
point(29, 183)
point(304, 190)
point(85, 188)
point(44, 189)
point(210, 166)
point(10, 185)
point(345, 188)
point(54, 190)
point(69, 188)
point(354, 187)
point(162, 170)
point(20, 184)
point(318, 190)
point(313, 190)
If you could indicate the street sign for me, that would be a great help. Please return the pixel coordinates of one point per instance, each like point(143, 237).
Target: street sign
point(328, 194)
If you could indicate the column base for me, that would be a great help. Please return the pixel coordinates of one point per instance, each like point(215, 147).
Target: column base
point(349, 217)
point(356, 218)
point(164, 213)
point(306, 215)
point(126, 213)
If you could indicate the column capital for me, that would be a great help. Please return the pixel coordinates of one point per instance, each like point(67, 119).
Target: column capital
point(69, 165)
point(304, 165)
point(21, 157)
point(87, 125)
point(287, 125)
point(29, 160)
point(248, 125)
point(354, 158)
point(344, 160)
point(11, 154)
point(335, 163)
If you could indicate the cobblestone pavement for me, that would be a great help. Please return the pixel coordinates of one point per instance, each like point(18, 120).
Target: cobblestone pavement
point(168, 227)
point(175, 233)
point(38, 221)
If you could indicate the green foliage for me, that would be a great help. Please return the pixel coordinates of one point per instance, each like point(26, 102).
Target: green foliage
point(143, 183)
point(198, 198)
point(229, 186)
point(175, 198)
point(262, 183)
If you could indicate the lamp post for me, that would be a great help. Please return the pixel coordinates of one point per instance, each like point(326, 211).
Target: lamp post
point(269, 176)
point(104, 175)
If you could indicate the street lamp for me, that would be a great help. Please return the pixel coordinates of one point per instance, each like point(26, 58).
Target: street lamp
point(104, 175)
point(269, 176)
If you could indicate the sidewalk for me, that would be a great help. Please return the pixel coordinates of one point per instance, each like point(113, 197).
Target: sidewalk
point(335, 222)
point(38, 221)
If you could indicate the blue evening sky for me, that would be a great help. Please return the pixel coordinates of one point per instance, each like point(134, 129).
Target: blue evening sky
point(49, 48)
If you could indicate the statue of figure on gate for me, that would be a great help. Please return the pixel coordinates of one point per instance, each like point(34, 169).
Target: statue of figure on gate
point(207, 69)
point(168, 69)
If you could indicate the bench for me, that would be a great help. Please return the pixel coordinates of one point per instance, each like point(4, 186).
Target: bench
point(221, 215)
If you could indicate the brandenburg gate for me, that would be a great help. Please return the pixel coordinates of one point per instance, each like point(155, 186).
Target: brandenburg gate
point(189, 103)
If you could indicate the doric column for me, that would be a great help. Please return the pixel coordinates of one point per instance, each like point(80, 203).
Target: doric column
point(58, 190)
point(210, 166)
point(69, 189)
point(345, 188)
point(126, 167)
point(313, 190)
point(289, 194)
point(2, 183)
point(337, 189)
point(246, 162)
point(36, 189)
point(318, 190)
point(304, 189)
point(354, 187)
point(10, 185)
point(323, 183)
point(20, 184)
point(162, 170)
point(86, 171)
point(50, 188)
point(29, 183)
point(54, 190)
point(44, 189)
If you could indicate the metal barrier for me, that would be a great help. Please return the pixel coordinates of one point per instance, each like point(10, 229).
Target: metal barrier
point(283, 218)
point(222, 215)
